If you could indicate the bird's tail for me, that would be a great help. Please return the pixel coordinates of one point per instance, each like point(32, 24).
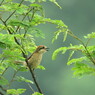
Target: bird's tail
point(18, 62)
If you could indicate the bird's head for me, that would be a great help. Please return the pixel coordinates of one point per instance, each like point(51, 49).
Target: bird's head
point(41, 49)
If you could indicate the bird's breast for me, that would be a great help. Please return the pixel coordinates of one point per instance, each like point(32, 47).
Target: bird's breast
point(35, 60)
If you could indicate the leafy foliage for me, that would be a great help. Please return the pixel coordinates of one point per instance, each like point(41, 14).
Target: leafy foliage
point(36, 93)
point(92, 35)
point(15, 92)
point(20, 79)
point(81, 66)
point(3, 81)
point(81, 69)
point(18, 30)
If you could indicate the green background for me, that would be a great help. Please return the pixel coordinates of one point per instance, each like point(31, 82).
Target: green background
point(57, 79)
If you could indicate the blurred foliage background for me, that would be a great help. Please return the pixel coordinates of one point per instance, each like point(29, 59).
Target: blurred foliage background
point(57, 79)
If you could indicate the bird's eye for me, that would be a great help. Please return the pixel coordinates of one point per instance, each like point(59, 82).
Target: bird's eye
point(42, 47)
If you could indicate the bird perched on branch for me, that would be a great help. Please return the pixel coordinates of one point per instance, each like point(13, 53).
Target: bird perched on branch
point(35, 59)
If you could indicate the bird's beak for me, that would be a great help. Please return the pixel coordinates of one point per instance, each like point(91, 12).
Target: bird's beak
point(47, 49)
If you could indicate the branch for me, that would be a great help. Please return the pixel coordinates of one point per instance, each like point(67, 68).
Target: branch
point(32, 15)
point(32, 73)
point(24, 18)
point(30, 87)
point(5, 25)
point(12, 78)
point(4, 71)
point(13, 12)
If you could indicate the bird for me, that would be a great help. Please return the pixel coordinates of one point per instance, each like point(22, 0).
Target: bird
point(36, 57)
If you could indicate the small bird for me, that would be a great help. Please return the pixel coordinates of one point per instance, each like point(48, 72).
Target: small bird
point(35, 59)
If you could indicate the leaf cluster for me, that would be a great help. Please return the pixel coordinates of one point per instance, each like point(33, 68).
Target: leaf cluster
point(82, 65)
point(18, 30)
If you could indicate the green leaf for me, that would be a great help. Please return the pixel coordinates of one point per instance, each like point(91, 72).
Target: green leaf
point(56, 34)
point(18, 23)
point(76, 60)
point(20, 79)
point(54, 1)
point(76, 47)
point(3, 45)
point(33, 1)
point(2, 68)
point(65, 35)
point(15, 92)
point(55, 53)
point(35, 5)
point(81, 69)
point(70, 55)
point(3, 81)
point(37, 93)
point(92, 35)
point(41, 67)
point(9, 6)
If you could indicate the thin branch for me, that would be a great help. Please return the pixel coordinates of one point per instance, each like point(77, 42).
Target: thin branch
point(13, 12)
point(32, 15)
point(25, 33)
point(10, 16)
point(30, 87)
point(12, 79)
point(24, 18)
point(5, 25)
point(88, 41)
point(27, 13)
point(4, 71)
point(33, 76)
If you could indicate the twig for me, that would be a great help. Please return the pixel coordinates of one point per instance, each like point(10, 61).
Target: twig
point(33, 76)
point(4, 71)
point(30, 87)
point(13, 11)
point(32, 15)
point(12, 79)
point(25, 33)
point(88, 41)
point(24, 18)
point(5, 25)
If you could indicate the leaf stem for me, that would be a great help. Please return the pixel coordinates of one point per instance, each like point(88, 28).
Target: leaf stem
point(30, 87)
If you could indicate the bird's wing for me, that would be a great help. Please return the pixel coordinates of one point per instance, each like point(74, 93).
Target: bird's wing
point(30, 56)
